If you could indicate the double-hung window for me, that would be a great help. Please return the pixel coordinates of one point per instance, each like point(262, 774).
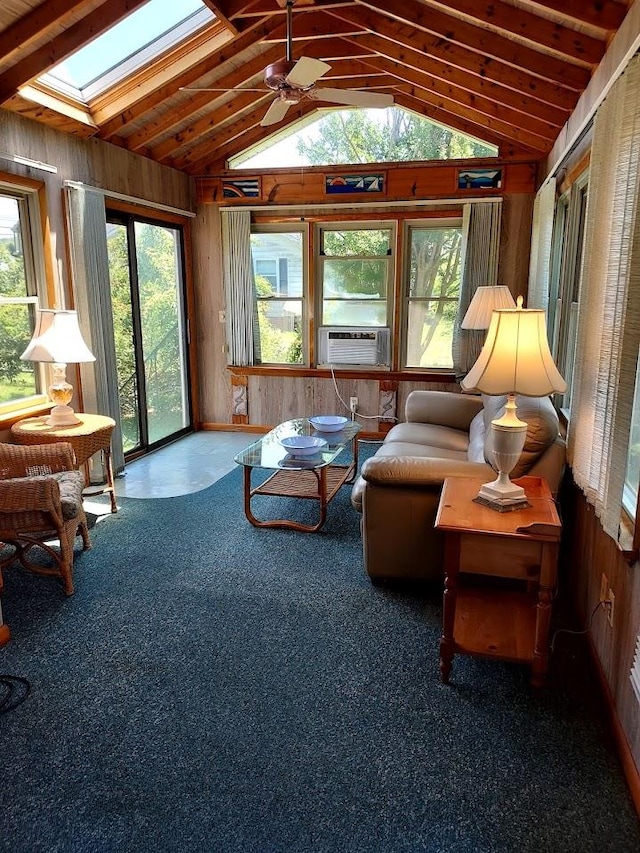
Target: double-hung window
point(278, 256)
point(432, 292)
point(355, 274)
point(22, 383)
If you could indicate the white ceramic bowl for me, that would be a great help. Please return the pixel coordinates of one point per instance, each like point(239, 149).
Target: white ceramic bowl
point(328, 423)
point(303, 445)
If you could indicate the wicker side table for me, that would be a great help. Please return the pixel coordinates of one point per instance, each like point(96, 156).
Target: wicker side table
point(92, 435)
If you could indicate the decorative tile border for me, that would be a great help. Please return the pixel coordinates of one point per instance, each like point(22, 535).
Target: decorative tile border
point(350, 183)
point(479, 179)
point(241, 188)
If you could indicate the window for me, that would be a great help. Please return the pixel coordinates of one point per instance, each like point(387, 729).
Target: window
point(278, 258)
point(355, 274)
point(566, 266)
point(432, 293)
point(21, 382)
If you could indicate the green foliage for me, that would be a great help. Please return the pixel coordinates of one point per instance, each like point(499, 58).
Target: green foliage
point(276, 346)
point(355, 136)
point(17, 376)
point(158, 289)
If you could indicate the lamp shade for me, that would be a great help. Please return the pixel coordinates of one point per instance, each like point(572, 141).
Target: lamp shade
point(486, 299)
point(57, 338)
point(515, 358)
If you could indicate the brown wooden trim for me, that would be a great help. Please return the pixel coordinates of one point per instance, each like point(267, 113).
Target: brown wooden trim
point(629, 767)
point(5, 636)
point(323, 373)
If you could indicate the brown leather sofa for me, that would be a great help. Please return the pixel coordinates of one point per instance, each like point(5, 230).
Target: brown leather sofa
point(445, 434)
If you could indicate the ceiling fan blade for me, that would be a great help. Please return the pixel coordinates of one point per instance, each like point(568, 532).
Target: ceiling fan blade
point(275, 113)
point(352, 97)
point(306, 71)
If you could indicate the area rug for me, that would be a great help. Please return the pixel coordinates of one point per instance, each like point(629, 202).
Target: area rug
point(215, 687)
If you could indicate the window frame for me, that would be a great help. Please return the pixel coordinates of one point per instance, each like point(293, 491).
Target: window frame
point(410, 226)
point(287, 228)
point(319, 257)
point(31, 196)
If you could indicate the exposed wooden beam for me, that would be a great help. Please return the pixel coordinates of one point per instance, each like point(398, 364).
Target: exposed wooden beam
point(498, 87)
point(407, 15)
point(453, 95)
point(194, 102)
point(317, 25)
point(216, 162)
point(604, 14)
point(150, 101)
point(520, 22)
point(76, 36)
point(188, 136)
point(217, 10)
point(223, 118)
point(456, 122)
point(21, 34)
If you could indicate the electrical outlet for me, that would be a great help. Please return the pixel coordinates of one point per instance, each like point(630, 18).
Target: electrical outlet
point(353, 404)
point(612, 600)
point(604, 587)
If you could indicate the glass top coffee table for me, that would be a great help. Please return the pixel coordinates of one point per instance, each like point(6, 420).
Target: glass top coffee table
point(308, 477)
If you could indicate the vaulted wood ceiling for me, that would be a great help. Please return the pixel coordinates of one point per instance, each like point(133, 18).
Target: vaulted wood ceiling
point(506, 71)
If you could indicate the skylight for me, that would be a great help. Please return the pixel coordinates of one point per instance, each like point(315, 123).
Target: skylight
point(129, 44)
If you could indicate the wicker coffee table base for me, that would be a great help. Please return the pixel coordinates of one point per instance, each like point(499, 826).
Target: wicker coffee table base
point(320, 484)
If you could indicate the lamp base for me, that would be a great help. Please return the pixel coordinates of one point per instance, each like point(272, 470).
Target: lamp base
point(62, 416)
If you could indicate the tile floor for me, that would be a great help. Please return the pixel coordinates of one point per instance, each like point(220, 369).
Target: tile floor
point(187, 465)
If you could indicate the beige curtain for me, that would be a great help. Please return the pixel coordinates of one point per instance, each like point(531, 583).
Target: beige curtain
point(87, 224)
point(241, 311)
point(481, 235)
point(608, 329)
point(540, 262)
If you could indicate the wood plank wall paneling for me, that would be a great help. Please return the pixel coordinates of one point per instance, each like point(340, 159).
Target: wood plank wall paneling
point(588, 553)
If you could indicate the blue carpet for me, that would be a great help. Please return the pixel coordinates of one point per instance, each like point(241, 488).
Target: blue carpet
point(215, 687)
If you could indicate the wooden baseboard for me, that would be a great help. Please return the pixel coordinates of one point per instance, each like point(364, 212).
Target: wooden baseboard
point(5, 635)
point(629, 766)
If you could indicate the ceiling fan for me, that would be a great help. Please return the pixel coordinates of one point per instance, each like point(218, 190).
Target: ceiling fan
point(294, 81)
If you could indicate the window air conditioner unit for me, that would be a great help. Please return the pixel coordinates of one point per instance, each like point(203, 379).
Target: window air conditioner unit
point(353, 345)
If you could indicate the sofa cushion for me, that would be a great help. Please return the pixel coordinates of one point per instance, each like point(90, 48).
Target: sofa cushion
point(543, 427)
point(432, 435)
point(406, 448)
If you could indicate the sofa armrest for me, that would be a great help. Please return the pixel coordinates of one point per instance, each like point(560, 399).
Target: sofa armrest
point(445, 408)
point(420, 471)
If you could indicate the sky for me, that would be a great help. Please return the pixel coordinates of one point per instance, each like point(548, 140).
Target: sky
point(120, 41)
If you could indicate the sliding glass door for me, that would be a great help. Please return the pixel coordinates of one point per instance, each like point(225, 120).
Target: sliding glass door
point(147, 291)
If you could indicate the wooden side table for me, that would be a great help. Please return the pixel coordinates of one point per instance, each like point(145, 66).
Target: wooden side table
point(91, 435)
point(508, 618)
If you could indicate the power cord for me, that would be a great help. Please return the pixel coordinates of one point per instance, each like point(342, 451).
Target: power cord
point(600, 604)
point(348, 408)
point(15, 691)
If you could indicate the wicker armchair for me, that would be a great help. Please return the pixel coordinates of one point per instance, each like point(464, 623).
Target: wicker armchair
point(41, 500)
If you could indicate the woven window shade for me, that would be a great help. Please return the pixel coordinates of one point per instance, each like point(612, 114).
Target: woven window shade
point(608, 328)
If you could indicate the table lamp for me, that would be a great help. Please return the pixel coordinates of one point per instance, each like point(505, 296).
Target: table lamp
point(57, 339)
point(486, 300)
point(515, 359)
